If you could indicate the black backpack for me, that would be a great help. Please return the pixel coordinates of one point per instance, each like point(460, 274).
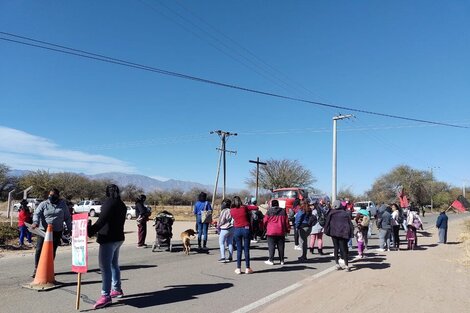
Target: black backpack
point(321, 217)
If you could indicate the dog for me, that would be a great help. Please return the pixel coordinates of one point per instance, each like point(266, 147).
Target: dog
point(186, 239)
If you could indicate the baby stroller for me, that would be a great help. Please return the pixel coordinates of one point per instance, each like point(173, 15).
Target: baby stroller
point(163, 223)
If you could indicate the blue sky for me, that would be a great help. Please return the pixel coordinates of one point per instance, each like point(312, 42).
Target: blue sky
point(66, 113)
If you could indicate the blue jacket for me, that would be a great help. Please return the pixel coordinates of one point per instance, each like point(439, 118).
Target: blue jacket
point(442, 220)
point(199, 206)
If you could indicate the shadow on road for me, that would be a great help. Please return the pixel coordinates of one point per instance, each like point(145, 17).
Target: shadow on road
point(278, 268)
point(122, 267)
point(372, 266)
point(173, 294)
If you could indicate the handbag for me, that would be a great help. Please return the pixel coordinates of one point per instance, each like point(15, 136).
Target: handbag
point(206, 215)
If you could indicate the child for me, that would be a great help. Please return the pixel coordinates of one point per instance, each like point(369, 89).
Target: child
point(360, 241)
point(410, 236)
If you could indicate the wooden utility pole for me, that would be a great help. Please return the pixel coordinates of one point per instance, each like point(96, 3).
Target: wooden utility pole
point(223, 136)
point(257, 162)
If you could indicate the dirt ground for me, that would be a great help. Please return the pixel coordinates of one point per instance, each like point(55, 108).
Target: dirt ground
point(432, 279)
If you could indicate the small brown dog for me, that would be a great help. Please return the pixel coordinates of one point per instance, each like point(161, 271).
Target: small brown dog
point(185, 238)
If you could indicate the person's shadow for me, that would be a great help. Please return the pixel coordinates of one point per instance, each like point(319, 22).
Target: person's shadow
point(176, 293)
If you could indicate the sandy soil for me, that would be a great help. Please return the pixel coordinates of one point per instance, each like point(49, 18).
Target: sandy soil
point(427, 280)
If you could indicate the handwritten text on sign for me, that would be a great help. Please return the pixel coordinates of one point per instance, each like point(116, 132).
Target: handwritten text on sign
point(79, 243)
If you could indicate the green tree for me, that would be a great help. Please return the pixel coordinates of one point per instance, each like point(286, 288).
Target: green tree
point(131, 192)
point(281, 174)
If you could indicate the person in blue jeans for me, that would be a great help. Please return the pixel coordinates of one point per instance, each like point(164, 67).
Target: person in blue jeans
point(202, 205)
point(241, 223)
point(225, 225)
point(110, 229)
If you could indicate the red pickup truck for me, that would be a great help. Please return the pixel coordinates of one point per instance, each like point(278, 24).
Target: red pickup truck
point(286, 196)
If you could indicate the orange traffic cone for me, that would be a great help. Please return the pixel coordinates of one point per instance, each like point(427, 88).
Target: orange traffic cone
point(45, 278)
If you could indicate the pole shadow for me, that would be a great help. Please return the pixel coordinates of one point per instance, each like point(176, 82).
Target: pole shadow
point(176, 293)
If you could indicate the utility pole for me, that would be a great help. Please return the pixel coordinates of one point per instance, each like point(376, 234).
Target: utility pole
point(257, 162)
point(334, 176)
point(223, 137)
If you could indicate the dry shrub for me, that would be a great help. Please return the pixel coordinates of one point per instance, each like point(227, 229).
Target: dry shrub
point(7, 232)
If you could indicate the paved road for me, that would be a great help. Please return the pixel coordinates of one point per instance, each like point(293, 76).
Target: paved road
point(163, 281)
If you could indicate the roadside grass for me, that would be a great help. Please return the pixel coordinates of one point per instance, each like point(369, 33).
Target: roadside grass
point(465, 237)
point(7, 232)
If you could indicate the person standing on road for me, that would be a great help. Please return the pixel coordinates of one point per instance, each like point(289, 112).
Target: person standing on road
point(225, 224)
point(292, 213)
point(53, 211)
point(110, 229)
point(241, 223)
point(385, 229)
point(277, 226)
point(441, 224)
point(303, 223)
point(414, 223)
point(24, 215)
point(396, 221)
point(316, 234)
point(142, 213)
point(202, 226)
point(340, 228)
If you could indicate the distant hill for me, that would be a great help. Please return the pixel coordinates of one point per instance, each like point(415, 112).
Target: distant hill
point(142, 181)
point(148, 183)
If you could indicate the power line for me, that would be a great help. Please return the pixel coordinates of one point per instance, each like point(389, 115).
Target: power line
point(89, 55)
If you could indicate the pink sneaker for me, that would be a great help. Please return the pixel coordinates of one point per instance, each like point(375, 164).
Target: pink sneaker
point(116, 294)
point(102, 302)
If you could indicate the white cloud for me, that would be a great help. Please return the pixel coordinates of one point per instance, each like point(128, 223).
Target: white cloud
point(21, 150)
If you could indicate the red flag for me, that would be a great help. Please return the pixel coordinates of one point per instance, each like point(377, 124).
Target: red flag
point(403, 199)
point(459, 206)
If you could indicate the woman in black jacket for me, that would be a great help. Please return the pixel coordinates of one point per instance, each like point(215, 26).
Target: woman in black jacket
point(340, 228)
point(110, 229)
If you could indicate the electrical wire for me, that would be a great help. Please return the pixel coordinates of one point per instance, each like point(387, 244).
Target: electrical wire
point(107, 59)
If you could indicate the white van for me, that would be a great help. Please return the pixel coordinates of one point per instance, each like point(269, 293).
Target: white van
point(369, 205)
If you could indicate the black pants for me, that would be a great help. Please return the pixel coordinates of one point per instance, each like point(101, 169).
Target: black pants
point(296, 236)
point(396, 236)
point(56, 235)
point(342, 245)
point(303, 233)
point(278, 241)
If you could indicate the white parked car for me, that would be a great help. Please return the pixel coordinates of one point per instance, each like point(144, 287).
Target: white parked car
point(130, 212)
point(32, 204)
point(92, 207)
point(369, 206)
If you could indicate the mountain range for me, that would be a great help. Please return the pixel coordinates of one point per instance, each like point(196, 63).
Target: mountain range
point(145, 182)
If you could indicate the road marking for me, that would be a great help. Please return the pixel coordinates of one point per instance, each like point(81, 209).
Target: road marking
point(281, 292)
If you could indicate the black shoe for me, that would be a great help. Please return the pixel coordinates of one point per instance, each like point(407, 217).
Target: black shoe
point(311, 251)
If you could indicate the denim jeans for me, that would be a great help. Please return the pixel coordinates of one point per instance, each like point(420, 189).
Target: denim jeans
point(226, 237)
point(242, 233)
point(109, 266)
point(201, 228)
point(384, 238)
point(24, 232)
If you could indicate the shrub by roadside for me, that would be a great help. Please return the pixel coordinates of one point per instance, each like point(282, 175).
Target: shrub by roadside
point(7, 233)
point(465, 237)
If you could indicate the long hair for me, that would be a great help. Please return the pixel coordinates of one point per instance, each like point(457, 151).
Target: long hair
point(237, 202)
point(305, 206)
point(112, 191)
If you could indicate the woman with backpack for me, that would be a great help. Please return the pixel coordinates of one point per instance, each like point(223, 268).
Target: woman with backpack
point(225, 224)
point(304, 220)
point(414, 223)
point(316, 234)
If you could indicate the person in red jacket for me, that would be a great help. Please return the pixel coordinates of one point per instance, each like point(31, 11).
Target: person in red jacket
point(241, 224)
point(24, 215)
point(277, 226)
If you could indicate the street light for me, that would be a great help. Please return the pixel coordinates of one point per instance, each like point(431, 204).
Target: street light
point(333, 183)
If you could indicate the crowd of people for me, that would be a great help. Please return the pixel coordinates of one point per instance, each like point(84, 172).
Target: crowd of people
point(239, 224)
